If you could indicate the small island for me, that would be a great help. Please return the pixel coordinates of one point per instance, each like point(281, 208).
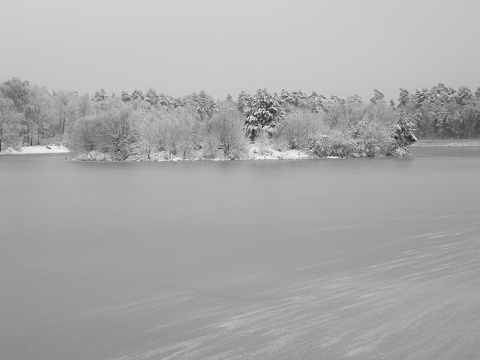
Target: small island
point(154, 126)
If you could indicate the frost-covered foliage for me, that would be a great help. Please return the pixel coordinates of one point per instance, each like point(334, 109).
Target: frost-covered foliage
point(299, 128)
point(443, 112)
point(114, 131)
point(343, 113)
point(184, 133)
point(152, 101)
point(196, 125)
point(150, 124)
point(122, 132)
point(262, 112)
point(335, 143)
point(357, 129)
point(227, 127)
point(10, 124)
point(100, 95)
point(404, 134)
point(207, 129)
point(377, 96)
point(204, 104)
point(83, 135)
point(373, 138)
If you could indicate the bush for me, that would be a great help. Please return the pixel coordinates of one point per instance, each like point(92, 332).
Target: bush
point(342, 114)
point(298, 129)
point(374, 131)
point(227, 129)
point(116, 133)
point(210, 145)
point(404, 131)
point(373, 139)
point(335, 143)
point(82, 137)
point(152, 132)
point(183, 132)
point(114, 130)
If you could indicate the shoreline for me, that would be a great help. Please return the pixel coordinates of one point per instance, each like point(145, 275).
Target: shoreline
point(254, 152)
point(446, 143)
point(37, 149)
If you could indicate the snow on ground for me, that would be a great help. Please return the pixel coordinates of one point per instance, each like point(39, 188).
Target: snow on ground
point(268, 153)
point(38, 149)
point(450, 143)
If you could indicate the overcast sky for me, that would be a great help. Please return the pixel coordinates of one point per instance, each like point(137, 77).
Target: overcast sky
point(221, 46)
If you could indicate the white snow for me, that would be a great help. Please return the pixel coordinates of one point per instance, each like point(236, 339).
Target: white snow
point(268, 153)
point(38, 149)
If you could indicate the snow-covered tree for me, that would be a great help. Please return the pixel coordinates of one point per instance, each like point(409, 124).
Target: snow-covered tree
point(10, 124)
point(262, 111)
point(204, 104)
point(404, 132)
point(125, 97)
point(377, 96)
point(151, 97)
point(100, 95)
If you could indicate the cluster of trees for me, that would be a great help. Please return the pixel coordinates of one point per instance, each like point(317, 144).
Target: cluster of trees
point(122, 129)
point(30, 115)
point(328, 127)
point(143, 124)
point(443, 112)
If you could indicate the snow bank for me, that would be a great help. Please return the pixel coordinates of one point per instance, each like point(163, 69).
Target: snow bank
point(446, 143)
point(268, 153)
point(38, 149)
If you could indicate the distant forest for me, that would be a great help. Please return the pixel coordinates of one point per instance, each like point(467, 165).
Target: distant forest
point(149, 122)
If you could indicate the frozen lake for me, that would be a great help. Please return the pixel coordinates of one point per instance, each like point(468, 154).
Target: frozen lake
point(332, 259)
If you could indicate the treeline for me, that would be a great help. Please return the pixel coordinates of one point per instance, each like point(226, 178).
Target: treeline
point(147, 124)
point(443, 112)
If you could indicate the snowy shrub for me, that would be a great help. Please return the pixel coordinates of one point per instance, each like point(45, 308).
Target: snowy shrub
point(298, 129)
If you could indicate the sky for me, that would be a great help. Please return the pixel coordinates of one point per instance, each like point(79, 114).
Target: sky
point(340, 47)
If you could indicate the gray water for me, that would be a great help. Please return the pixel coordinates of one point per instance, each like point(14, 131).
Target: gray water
point(328, 259)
